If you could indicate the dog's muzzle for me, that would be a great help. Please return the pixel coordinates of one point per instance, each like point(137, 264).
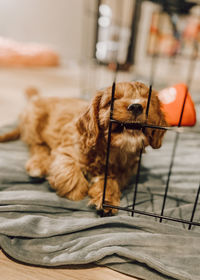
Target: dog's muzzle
point(135, 108)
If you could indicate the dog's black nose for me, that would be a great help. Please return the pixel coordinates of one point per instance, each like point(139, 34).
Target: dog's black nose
point(135, 108)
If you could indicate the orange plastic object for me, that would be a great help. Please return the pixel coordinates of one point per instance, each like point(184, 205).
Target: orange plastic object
point(172, 100)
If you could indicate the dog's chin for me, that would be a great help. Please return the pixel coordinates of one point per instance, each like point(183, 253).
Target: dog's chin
point(128, 141)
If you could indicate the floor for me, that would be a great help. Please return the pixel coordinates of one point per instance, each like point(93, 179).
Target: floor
point(11, 270)
point(65, 81)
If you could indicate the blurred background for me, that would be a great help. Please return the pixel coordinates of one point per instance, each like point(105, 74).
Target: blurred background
point(71, 48)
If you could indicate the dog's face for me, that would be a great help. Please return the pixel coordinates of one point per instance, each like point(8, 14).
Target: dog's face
point(129, 106)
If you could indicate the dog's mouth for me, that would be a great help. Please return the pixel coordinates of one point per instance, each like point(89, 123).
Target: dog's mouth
point(117, 128)
point(120, 127)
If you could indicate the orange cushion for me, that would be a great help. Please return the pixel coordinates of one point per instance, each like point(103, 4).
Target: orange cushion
point(172, 99)
point(18, 54)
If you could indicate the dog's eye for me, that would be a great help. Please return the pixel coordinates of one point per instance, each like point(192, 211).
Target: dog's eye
point(108, 103)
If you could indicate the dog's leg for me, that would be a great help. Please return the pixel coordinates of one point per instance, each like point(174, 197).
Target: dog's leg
point(66, 177)
point(112, 195)
point(38, 164)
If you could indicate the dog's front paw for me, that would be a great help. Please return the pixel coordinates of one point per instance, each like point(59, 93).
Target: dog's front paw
point(103, 211)
point(104, 214)
point(35, 168)
point(112, 196)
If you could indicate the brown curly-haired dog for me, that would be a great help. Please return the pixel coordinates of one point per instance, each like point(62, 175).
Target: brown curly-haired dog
point(68, 140)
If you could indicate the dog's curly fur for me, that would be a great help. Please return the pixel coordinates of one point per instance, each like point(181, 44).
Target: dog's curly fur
point(68, 140)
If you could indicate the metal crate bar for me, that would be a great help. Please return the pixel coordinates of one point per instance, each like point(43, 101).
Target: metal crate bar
point(108, 143)
point(136, 182)
point(150, 214)
point(140, 155)
point(195, 206)
point(173, 155)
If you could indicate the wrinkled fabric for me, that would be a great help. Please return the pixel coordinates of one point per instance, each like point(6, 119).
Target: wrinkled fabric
point(38, 227)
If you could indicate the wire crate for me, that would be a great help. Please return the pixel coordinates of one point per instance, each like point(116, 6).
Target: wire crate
point(142, 126)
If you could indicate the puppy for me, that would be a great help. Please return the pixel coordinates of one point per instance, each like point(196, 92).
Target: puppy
point(68, 140)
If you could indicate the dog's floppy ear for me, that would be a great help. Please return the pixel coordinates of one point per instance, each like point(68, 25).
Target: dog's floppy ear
point(156, 117)
point(155, 137)
point(88, 123)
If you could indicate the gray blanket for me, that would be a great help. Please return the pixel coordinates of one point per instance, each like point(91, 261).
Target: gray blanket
point(40, 228)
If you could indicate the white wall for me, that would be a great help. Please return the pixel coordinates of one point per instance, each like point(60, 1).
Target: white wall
point(58, 23)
